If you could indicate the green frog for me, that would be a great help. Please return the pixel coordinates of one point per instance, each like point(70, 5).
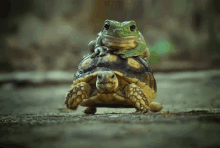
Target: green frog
point(121, 37)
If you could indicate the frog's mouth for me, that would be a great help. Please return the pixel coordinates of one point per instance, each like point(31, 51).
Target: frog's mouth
point(118, 37)
point(123, 43)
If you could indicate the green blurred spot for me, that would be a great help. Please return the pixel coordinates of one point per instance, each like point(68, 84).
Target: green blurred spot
point(154, 57)
point(160, 48)
point(171, 48)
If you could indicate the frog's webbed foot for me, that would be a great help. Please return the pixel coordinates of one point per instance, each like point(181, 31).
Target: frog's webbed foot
point(103, 51)
point(100, 51)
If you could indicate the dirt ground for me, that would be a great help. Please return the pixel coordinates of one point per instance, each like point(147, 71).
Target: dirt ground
point(36, 117)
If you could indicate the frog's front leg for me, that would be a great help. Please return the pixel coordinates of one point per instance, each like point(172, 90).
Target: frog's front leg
point(97, 47)
point(100, 50)
point(91, 46)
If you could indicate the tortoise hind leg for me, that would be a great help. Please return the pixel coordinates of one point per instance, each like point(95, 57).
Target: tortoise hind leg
point(77, 94)
point(155, 106)
point(136, 95)
point(90, 110)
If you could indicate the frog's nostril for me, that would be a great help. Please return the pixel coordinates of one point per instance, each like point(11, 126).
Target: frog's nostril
point(117, 32)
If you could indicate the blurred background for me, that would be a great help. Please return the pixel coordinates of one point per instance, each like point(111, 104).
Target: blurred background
point(43, 41)
point(46, 39)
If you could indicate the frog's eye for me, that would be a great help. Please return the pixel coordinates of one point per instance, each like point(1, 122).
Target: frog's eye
point(132, 27)
point(106, 26)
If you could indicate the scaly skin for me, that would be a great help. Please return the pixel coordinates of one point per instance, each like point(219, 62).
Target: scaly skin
point(122, 37)
point(107, 86)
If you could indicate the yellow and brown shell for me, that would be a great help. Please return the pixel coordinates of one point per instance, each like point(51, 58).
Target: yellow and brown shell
point(132, 69)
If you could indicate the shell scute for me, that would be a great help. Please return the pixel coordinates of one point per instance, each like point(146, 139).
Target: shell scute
point(131, 70)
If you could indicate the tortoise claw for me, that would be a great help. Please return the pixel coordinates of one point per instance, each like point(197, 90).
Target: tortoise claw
point(136, 95)
point(141, 111)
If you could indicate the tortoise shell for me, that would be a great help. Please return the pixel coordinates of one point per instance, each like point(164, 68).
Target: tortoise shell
point(132, 67)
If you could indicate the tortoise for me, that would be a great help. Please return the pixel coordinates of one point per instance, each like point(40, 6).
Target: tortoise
point(112, 81)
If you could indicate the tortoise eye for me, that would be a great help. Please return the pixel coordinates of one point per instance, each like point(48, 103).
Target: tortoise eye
point(99, 76)
point(113, 76)
point(107, 25)
point(132, 27)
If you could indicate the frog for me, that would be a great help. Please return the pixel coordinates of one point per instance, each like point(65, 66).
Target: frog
point(121, 38)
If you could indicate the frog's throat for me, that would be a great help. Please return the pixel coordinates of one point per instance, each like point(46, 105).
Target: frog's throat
point(122, 43)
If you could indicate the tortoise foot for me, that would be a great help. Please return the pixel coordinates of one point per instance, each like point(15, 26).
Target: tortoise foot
point(136, 95)
point(75, 95)
point(90, 110)
point(155, 106)
point(141, 111)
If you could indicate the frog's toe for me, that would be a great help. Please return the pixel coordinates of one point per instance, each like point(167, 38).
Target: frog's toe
point(102, 54)
point(105, 48)
point(95, 54)
point(123, 56)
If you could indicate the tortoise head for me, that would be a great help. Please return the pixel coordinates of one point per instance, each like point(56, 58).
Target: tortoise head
point(106, 82)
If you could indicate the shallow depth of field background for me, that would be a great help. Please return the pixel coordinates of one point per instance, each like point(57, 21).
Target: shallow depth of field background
point(52, 35)
point(43, 41)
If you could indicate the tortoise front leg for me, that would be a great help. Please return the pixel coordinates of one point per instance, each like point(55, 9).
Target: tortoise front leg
point(136, 95)
point(75, 95)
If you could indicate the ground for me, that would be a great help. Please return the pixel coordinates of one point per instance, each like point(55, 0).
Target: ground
point(36, 117)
